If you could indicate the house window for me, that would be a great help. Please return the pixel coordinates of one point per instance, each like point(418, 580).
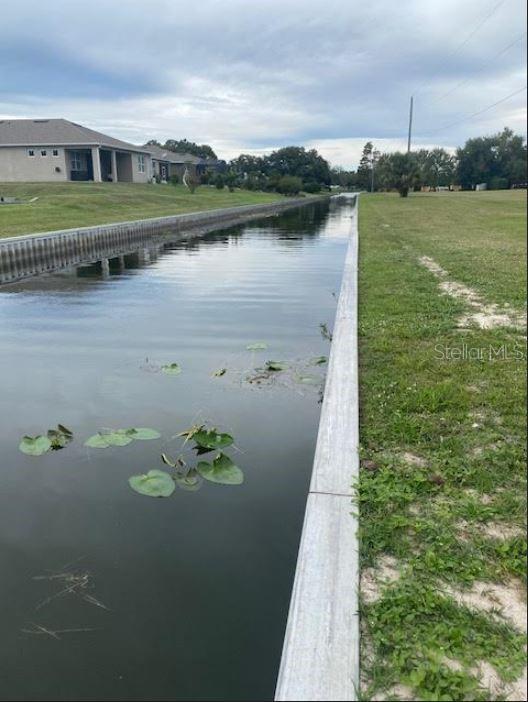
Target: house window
point(75, 161)
point(43, 152)
point(141, 163)
point(55, 152)
point(31, 152)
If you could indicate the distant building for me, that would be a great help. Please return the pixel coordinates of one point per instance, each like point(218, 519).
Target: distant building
point(59, 150)
point(166, 163)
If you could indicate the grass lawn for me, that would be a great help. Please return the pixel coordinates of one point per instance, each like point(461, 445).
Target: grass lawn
point(442, 496)
point(65, 205)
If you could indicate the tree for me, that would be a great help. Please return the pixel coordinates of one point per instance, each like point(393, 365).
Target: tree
point(437, 167)
point(189, 147)
point(399, 172)
point(495, 158)
point(365, 167)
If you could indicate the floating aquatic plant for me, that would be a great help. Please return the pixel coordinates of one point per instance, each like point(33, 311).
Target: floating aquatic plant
point(121, 437)
point(222, 470)
point(219, 373)
point(275, 366)
point(258, 346)
point(212, 439)
point(34, 445)
point(171, 369)
point(319, 360)
point(155, 483)
point(54, 440)
point(325, 332)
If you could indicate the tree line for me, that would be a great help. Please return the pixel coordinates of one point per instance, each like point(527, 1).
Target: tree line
point(499, 160)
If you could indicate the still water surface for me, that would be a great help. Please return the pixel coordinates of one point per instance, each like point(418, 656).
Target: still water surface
point(187, 596)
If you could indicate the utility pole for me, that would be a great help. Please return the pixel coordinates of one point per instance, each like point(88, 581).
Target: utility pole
point(410, 126)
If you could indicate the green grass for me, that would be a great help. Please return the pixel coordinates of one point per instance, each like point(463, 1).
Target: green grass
point(464, 418)
point(66, 205)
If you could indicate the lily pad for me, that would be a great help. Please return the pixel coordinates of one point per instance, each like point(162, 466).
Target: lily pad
point(143, 433)
point(171, 369)
point(60, 437)
point(259, 346)
point(155, 483)
point(211, 439)
point(219, 373)
point(117, 437)
point(308, 379)
point(222, 470)
point(35, 445)
point(191, 482)
point(320, 360)
point(275, 366)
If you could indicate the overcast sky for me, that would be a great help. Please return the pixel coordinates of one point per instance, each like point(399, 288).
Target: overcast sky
point(252, 75)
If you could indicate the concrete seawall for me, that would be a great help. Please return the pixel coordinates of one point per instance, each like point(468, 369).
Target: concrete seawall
point(320, 657)
point(33, 254)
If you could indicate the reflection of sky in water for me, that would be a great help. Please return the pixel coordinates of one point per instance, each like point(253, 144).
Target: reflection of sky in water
point(198, 584)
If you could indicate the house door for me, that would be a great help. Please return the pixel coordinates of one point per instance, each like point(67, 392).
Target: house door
point(163, 172)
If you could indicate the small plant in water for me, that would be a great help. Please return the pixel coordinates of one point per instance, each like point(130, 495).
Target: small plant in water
point(258, 346)
point(221, 469)
point(171, 369)
point(54, 440)
point(121, 437)
point(325, 332)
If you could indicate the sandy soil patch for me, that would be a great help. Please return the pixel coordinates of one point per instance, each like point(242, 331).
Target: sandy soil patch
point(373, 579)
point(484, 315)
point(506, 599)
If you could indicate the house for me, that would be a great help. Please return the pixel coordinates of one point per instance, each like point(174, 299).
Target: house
point(167, 164)
point(59, 150)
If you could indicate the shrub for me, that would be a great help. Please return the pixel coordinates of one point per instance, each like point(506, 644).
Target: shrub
point(219, 181)
point(289, 185)
point(174, 179)
point(311, 187)
point(497, 183)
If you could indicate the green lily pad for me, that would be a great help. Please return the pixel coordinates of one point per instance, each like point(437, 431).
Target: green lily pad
point(219, 373)
point(211, 439)
point(117, 437)
point(320, 360)
point(275, 366)
point(143, 433)
point(191, 482)
point(222, 470)
point(155, 483)
point(308, 379)
point(171, 369)
point(34, 445)
point(60, 437)
point(259, 346)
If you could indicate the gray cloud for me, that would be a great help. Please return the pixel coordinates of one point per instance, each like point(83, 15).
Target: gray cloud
point(250, 76)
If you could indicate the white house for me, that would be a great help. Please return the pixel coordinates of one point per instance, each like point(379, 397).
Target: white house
point(59, 150)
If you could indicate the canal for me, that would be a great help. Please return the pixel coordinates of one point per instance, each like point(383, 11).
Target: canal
point(110, 594)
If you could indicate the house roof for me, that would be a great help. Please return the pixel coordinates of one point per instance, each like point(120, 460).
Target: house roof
point(161, 154)
point(56, 132)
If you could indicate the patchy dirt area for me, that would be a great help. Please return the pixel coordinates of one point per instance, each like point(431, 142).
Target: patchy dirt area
point(485, 315)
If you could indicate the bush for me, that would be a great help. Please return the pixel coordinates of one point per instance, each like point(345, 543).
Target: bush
point(219, 182)
point(174, 179)
point(289, 185)
point(498, 183)
point(311, 187)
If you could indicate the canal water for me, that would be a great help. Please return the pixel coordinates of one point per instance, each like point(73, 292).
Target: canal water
point(110, 595)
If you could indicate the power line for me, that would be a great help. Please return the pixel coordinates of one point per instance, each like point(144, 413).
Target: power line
point(487, 63)
point(464, 42)
point(475, 114)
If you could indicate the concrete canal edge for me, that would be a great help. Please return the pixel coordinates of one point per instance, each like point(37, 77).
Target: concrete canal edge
point(34, 254)
point(320, 658)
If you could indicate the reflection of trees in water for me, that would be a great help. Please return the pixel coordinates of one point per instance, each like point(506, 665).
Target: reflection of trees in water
point(288, 228)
